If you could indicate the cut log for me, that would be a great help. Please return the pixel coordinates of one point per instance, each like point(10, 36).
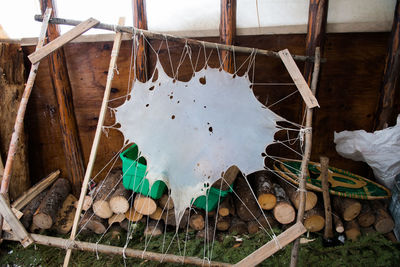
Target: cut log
point(169, 219)
point(224, 207)
point(238, 226)
point(294, 195)
point(87, 203)
point(347, 208)
point(133, 216)
point(383, 221)
point(339, 227)
point(46, 214)
point(206, 234)
point(314, 219)
point(223, 223)
point(253, 227)
point(115, 232)
point(144, 205)
point(119, 199)
point(116, 218)
point(65, 216)
point(31, 208)
point(283, 210)
point(264, 190)
point(154, 228)
point(227, 179)
point(367, 215)
point(197, 222)
point(157, 215)
point(166, 202)
point(367, 230)
point(268, 221)
point(101, 206)
point(124, 225)
point(92, 222)
point(328, 232)
point(352, 230)
point(246, 205)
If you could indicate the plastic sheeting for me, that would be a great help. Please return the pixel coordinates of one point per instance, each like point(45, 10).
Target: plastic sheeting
point(192, 132)
point(380, 150)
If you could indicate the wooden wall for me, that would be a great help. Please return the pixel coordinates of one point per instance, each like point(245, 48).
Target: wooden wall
point(348, 93)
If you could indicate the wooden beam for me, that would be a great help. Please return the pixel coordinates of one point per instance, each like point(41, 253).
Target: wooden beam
point(273, 246)
point(128, 252)
point(140, 22)
point(385, 115)
point(298, 79)
point(16, 226)
point(62, 40)
point(227, 32)
point(97, 136)
point(63, 92)
point(35, 190)
point(169, 37)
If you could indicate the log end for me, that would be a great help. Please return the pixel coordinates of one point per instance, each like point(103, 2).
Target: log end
point(384, 226)
point(43, 221)
point(314, 223)
point(133, 216)
point(119, 204)
point(102, 209)
point(284, 213)
point(145, 205)
point(267, 201)
point(352, 211)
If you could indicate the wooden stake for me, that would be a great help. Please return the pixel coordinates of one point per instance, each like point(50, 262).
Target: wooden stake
point(327, 200)
point(140, 22)
point(306, 158)
point(93, 152)
point(227, 32)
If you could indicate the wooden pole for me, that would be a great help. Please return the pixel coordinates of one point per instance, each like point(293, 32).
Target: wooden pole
point(140, 22)
point(390, 85)
point(227, 32)
point(169, 37)
point(96, 141)
point(140, 254)
point(18, 126)
point(328, 233)
point(63, 92)
point(306, 158)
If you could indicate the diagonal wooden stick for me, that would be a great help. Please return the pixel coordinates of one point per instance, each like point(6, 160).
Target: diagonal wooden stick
point(18, 126)
point(95, 145)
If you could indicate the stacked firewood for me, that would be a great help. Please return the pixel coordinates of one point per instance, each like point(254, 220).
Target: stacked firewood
point(260, 201)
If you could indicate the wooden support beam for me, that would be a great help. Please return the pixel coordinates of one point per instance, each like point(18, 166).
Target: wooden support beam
point(128, 252)
point(62, 40)
point(227, 32)
point(169, 37)
point(273, 246)
point(35, 190)
point(389, 93)
point(298, 79)
point(16, 226)
point(140, 22)
point(305, 160)
point(97, 136)
point(63, 92)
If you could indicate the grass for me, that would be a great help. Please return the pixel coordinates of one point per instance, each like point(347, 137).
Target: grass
point(370, 250)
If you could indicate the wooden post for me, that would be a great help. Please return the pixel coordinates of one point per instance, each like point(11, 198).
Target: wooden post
point(63, 92)
point(306, 158)
point(327, 200)
point(96, 141)
point(390, 84)
point(140, 22)
point(227, 32)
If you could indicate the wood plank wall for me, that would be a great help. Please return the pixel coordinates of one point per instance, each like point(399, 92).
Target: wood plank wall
point(348, 95)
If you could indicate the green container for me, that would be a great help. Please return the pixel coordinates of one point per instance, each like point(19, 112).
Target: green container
point(214, 197)
point(134, 171)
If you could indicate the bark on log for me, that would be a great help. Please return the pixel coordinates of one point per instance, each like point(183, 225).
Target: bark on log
point(87, 203)
point(65, 216)
point(119, 199)
point(116, 218)
point(314, 219)
point(165, 202)
point(339, 227)
point(133, 215)
point(367, 230)
point(294, 195)
point(169, 219)
point(347, 208)
point(46, 214)
point(12, 79)
point(197, 222)
point(366, 218)
point(92, 222)
point(144, 205)
point(63, 91)
point(264, 190)
point(115, 232)
point(352, 230)
point(101, 206)
point(268, 221)
point(223, 222)
point(246, 205)
point(227, 179)
point(206, 234)
point(238, 226)
point(154, 228)
point(383, 221)
point(253, 227)
point(31, 208)
point(283, 210)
